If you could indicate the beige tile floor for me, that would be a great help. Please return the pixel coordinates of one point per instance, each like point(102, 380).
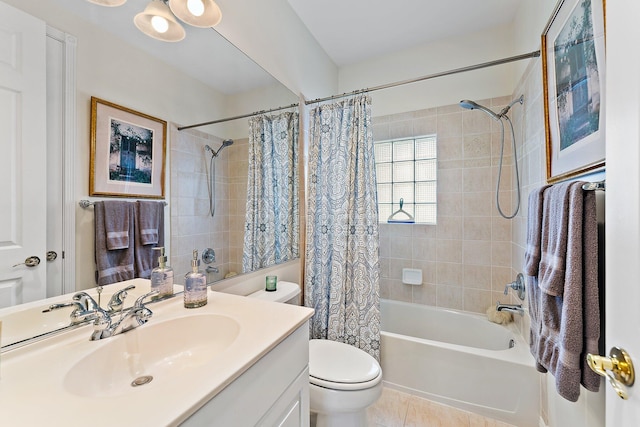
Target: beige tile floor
point(397, 409)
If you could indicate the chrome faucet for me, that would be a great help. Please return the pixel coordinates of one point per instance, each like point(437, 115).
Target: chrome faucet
point(86, 308)
point(513, 308)
point(138, 315)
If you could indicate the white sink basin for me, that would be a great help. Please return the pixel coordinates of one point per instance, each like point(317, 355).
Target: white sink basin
point(151, 354)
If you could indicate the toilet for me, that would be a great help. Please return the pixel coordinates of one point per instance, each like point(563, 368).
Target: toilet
point(343, 380)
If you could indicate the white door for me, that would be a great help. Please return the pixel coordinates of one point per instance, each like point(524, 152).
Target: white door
point(22, 156)
point(623, 200)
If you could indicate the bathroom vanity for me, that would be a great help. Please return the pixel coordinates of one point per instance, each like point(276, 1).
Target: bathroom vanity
point(236, 361)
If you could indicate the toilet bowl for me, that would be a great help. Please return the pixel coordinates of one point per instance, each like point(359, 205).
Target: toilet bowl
point(343, 380)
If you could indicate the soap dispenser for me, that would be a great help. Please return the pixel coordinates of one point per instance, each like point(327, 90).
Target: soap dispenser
point(162, 276)
point(195, 285)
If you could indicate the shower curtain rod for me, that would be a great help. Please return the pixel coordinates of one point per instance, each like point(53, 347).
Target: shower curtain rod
point(228, 119)
point(507, 60)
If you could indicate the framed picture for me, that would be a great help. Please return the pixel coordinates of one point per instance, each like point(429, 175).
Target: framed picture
point(573, 67)
point(127, 152)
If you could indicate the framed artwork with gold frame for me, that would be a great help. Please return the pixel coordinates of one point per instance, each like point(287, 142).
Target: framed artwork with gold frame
point(573, 67)
point(127, 152)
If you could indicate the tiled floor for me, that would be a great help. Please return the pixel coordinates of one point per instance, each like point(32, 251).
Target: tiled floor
point(397, 409)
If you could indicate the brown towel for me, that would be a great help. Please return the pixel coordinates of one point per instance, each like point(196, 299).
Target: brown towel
point(555, 233)
point(116, 224)
point(149, 214)
point(146, 259)
point(565, 328)
point(112, 265)
point(534, 232)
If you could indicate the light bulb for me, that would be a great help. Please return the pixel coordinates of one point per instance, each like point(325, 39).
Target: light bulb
point(196, 7)
point(159, 24)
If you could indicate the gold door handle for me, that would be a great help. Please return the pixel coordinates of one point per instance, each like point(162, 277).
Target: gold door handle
point(617, 368)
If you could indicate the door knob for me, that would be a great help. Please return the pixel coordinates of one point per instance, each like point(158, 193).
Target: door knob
point(617, 368)
point(52, 255)
point(32, 261)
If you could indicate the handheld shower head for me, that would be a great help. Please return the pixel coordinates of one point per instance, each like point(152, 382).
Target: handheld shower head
point(470, 105)
point(214, 153)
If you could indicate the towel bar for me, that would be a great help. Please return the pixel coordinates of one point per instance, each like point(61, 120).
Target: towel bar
point(591, 186)
point(87, 203)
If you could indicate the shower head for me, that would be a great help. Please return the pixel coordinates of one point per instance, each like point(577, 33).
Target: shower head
point(225, 143)
point(470, 105)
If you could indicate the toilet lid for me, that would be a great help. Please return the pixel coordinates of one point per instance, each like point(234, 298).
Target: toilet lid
point(341, 363)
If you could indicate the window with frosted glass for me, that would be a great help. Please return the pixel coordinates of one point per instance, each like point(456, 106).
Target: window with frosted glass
point(406, 169)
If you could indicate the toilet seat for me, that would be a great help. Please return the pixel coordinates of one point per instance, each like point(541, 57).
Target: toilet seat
point(340, 366)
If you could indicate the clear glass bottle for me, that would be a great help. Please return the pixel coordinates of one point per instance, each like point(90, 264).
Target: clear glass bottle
point(162, 276)
point(195, 285)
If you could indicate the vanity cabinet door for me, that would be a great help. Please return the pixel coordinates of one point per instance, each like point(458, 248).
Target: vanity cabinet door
point(292, 408)
point(273, 392)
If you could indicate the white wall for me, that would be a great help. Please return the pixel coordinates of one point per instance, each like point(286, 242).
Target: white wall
point(439, 56)
point(271, 34)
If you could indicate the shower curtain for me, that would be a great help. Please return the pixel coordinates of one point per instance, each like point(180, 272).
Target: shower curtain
point(342, 260)
point(272, 225)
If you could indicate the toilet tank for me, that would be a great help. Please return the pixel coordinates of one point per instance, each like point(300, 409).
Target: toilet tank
point(287, 292)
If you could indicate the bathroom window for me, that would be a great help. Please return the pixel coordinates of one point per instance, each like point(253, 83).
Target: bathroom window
point(406, 169)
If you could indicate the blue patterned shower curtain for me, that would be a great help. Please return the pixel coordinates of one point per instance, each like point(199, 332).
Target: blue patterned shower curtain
point(342, 260)
point(272, 224)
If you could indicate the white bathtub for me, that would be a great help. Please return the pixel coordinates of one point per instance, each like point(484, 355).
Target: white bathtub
point(459, 359)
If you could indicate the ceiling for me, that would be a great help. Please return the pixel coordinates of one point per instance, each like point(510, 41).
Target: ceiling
point(351, 31)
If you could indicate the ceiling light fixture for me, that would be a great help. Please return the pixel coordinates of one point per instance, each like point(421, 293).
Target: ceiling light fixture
point(158, 22)
point(110, 3)
point(199, 13)
point(159, 17)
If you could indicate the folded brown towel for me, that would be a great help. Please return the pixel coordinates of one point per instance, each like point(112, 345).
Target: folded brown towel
point(112, 265)
point(534, 226)
point(555, 232)
point(565, 328)
point(149, 214)
point(146, 259)
point(116, 224)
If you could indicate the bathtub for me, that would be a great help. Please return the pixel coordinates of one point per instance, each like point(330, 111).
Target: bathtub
point(459, 359)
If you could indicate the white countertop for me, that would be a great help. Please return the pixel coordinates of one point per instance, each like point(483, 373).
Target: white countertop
point(32, 378)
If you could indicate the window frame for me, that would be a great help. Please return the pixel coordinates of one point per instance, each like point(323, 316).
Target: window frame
point(412, 205)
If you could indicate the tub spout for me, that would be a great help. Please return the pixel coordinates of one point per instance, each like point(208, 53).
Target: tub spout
point(513, 308)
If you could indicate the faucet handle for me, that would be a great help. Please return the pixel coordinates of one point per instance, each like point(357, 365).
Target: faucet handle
point(518, 286)
point(88, 303)
point(138, 303)
point(117, 299)
point(78, 306)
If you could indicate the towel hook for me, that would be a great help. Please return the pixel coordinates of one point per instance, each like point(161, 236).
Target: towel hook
point(409, 218)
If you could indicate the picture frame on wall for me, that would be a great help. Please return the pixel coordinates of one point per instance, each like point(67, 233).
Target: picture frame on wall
point(573, 67)
point(128, 151)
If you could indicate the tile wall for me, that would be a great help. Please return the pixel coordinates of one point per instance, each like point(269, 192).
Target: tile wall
point(466, 258)
point(191, 225)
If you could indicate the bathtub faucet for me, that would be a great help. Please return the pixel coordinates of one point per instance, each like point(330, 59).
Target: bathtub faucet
point(513, 308)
